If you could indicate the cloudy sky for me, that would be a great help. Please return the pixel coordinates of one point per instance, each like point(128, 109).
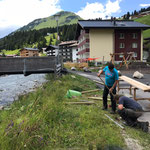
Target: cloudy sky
point(17, 13)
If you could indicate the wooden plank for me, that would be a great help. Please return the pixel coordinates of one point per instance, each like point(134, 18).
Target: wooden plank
point(80, 103)
point(135, 83)
point(89, 91)
point(97, 98)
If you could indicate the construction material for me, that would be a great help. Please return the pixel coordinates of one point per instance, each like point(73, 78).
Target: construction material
point(97, 98)
point(126, 58)
point(134, 85)
point(80, 103)
point(114, 122)
point(89, 91)
point(71, 93)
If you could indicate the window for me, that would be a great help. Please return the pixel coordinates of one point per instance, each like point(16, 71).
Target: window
point(135, 54)
point(134, 35)
point(121, 36)
point(121, 55)
point(122, 45)
point(134, 45)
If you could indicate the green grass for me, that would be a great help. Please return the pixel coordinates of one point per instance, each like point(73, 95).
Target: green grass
point(51, 22)
point(10, 52)
point(43, 120)
point(145, 20)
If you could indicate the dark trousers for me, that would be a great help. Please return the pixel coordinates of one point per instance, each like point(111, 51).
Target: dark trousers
point(105, 95)
point(130, 116)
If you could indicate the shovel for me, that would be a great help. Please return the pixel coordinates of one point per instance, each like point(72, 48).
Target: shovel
point(106, 86)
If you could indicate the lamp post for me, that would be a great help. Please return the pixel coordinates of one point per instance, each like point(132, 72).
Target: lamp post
point(56, 16)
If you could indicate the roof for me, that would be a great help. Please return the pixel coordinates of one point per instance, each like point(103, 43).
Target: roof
point(31, 49)
point(112, 24)
point(67, 43)
point(74, 45)
point(51, 46)
point(109, 24)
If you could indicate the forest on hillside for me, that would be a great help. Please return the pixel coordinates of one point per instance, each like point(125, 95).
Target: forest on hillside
point(135, 13)
point(22, 39)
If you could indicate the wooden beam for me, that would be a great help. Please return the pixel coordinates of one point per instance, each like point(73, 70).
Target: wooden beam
point(80, 103)
point(135, 83)
point(97, 98)
point(89, 91)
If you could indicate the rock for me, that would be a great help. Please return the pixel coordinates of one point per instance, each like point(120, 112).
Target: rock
point(73, 76)
point(73, 68)
point(1, 107)
point(85, 69)
point(138, 75)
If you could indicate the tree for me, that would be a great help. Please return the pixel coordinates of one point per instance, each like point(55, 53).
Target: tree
point(128, 16)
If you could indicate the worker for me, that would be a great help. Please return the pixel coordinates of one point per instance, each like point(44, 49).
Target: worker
point(111, 80)
point(130, 110)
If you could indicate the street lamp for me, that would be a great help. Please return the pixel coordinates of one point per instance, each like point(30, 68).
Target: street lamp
point(56, 16)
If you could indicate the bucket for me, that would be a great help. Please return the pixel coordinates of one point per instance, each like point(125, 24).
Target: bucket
point(71, 93)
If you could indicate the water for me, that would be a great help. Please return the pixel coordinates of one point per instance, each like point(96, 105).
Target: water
point(14, 85)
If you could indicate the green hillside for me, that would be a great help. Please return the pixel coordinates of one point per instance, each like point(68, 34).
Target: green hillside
point(66, 18)
point(145, 20)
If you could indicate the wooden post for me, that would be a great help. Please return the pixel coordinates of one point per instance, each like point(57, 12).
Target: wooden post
point(130, 89)
point(134, 93)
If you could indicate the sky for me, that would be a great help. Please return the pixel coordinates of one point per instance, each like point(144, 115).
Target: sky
point(17, 13)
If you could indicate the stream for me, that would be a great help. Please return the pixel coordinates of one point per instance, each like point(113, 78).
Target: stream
point(11, 86)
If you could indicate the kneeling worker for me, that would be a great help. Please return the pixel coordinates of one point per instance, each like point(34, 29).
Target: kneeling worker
point(130, 110)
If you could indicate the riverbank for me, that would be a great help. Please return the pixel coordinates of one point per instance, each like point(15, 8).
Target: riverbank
point(43, 120)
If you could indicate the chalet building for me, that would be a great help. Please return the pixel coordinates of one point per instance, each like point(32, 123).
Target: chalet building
point(100, 38)
point(68, 51)
point(29, 52)
point(51, 50)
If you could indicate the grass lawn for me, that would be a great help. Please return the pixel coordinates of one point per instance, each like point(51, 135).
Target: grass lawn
point(43, 120)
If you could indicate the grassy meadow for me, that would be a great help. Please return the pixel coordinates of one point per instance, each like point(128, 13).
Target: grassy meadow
point(42, 120)
point(145, 20)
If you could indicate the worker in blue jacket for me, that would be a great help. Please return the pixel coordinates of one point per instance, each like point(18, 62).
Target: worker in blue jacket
point(111, 80)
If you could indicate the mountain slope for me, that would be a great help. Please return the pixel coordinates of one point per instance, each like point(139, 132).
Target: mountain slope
point(66, 18)
point(145, 20)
